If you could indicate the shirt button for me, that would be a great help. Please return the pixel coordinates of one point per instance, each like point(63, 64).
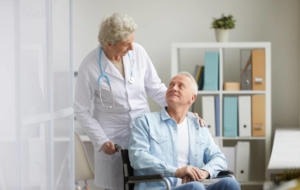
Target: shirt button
point(196, 155)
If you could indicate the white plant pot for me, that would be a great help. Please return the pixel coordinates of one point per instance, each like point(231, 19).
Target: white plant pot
point(222, 35)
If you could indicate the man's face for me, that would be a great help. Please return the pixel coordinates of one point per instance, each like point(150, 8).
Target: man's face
point(122, 47)
point(180, 91)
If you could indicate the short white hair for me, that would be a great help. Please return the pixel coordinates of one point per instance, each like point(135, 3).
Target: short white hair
point(117, 27)
point(193, 84)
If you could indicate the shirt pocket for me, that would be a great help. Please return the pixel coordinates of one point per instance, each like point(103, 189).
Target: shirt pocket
point(158, 144)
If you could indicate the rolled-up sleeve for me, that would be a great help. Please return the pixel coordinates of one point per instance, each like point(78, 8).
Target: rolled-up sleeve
point(214, 159)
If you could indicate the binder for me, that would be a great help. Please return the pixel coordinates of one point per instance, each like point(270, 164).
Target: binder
point(217, 115)
point(258, 116)
point(245, 116)
point(258, 69)
point(211, 72)
point(229, 153)
point(242, 157)
point(208, 112)
point(230, 117)
point(246, 70)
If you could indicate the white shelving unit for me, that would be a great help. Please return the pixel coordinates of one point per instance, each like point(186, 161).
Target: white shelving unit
point(220, 47)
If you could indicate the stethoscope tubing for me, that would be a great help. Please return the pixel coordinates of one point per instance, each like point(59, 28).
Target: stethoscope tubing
point(103, 75)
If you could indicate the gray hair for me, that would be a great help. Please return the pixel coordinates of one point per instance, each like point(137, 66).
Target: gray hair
point(193, 84)
point(115, 28)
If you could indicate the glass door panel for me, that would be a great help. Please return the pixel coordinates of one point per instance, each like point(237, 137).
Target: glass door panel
point(61, 153)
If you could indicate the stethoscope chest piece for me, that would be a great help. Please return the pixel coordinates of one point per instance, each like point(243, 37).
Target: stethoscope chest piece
point(131, 79)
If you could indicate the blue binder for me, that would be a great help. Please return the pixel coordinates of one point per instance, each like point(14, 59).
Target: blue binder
point(211, 72)
point(230, 117)
point(217, 114)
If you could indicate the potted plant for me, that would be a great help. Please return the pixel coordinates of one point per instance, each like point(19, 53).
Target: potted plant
point(222, 27)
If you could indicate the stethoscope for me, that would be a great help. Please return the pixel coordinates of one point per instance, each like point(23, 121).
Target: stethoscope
point(103, 75)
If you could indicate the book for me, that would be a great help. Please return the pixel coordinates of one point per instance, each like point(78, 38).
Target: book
point(201, 80)
point(197, 73)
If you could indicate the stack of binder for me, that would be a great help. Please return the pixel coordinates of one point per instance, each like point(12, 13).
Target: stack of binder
point(244, 116)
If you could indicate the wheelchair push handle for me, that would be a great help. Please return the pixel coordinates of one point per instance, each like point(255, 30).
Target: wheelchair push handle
point(118, 147)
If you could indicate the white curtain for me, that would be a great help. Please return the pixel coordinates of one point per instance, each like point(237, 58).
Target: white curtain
point(36, 69)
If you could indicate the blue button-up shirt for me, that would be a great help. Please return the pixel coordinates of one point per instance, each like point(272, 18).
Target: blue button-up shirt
point(153, 148)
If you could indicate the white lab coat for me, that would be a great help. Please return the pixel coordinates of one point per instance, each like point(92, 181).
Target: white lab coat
point(130, 102)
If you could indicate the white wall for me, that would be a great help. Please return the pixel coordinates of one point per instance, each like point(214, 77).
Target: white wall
point(162, 22)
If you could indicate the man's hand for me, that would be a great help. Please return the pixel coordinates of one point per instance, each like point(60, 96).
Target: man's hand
point(204, 174)
point(108, 148)
point(186, 179)
point(201, 121)
point(191, 171)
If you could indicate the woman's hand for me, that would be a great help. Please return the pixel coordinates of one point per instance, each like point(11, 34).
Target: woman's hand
point(109, 148)
point(201, 121)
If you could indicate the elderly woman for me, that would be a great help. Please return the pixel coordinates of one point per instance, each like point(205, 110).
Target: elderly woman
point(114, 79)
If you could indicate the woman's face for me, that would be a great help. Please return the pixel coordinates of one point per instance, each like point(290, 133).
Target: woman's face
point(122, 47)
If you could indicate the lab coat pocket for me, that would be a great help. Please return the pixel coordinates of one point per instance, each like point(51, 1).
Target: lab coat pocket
point(106, 157)
point(159, 144)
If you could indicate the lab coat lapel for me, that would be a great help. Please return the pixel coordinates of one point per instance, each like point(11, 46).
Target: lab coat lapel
point(128, 66)
point(109, 68)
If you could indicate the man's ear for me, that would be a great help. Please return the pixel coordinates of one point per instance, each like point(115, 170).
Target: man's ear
point(194, 96)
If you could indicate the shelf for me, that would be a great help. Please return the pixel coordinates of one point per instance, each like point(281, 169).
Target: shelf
point(251, 182)
point(210, 181)
point(242, 92)
point(246, 92)
point(222, 45)
point(243, 138)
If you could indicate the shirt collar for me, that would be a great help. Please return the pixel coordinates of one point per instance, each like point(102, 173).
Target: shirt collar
point(165, 116)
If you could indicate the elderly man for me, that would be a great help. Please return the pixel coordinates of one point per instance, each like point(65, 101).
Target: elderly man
point(172, 142)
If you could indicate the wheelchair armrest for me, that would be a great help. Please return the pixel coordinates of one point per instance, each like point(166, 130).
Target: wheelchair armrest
point(144, 178)
point(224, 173)
point(149, 178)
